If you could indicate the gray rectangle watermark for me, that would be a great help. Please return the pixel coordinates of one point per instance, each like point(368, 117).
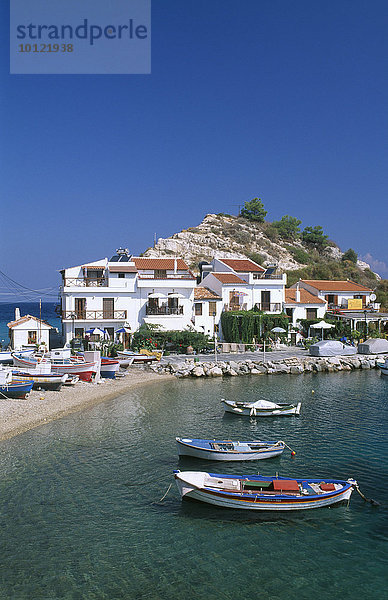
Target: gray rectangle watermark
point(80, 37)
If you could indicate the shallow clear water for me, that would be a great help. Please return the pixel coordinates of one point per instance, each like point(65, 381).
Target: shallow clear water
point(80, 517)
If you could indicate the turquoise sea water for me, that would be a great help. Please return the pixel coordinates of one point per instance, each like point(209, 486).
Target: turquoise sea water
point(80, 517)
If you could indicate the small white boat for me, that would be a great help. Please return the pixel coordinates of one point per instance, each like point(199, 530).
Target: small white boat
point(261, 408)
point(383, 367)
point(227, 450)
point(136, 359)
point(255, 492)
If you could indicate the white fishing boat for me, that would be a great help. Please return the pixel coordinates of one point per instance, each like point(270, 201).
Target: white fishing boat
point(135, 358)
point(383, 367)
point(261, 408)
point(228, 450)
point(84, 370)
point(255, 492)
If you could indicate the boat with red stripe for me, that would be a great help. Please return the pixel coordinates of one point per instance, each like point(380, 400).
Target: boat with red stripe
point(256, 492)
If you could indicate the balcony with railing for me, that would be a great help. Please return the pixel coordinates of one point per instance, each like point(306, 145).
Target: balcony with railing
point(163, 310)
point(85, 282)
point(94, 315)
point(269, 306)
point(230, 307)
point(166, 276)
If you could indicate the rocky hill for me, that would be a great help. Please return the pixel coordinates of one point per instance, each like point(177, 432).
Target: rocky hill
point(225, 236)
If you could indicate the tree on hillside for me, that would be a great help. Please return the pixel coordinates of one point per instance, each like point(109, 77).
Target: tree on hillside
point(314, 236)
point(288, 227)
point(350, 255)
point(254, 211)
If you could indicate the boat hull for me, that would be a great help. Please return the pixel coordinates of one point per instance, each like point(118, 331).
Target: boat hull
point(16, 389)
point(258, 501)
point(84, 370)
point(48, 381)
point(383, 368)
point(250, 411)
point(185, 449)
point(109, 368)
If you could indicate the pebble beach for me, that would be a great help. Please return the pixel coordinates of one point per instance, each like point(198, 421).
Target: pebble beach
point(40, 407)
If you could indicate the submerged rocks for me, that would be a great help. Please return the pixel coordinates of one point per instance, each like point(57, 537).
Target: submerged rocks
point(294, 366)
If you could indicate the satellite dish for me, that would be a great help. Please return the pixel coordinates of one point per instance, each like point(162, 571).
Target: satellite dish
point(372, 297)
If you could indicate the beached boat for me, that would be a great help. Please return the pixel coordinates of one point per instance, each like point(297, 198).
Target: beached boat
point(84, 370)
point(228, 450)
point(13, 388)
point(135, 358)
point(41, 381)
point(255, 492)
point(261, 408)
point(6, 356)
point(383, 367)
point(109, 367)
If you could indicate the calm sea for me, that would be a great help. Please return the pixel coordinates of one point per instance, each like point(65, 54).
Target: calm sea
point(80, 516)
point(7, 314)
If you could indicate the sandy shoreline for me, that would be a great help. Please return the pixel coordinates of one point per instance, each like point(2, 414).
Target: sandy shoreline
point(40, 407)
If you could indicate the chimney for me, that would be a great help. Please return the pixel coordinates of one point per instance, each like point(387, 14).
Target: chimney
point(297, 293)
point(175, 266)
point(17, 314)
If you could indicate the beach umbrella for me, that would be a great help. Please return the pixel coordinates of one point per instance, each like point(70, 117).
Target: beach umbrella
point(321, 325)
point(278, 330)
point(175, 295)
point(156, 295)
point(98, 331)
point(123, 330)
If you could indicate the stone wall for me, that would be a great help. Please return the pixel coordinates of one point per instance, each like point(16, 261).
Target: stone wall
point(294, 366)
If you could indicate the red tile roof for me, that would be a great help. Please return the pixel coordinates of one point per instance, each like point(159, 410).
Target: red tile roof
point(203, 293)
point(228, 278)
point(150, 264)
point(325, 285)
point(25, 319)
point(305, 297)
point(242, 265)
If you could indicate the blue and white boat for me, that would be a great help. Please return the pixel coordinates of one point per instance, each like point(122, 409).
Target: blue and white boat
point(383, 367)
point(13, 388)
point(227, 450)
point(255, 492)
point(109, 367)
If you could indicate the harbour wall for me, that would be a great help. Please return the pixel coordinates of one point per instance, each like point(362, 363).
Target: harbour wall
point(291, 365)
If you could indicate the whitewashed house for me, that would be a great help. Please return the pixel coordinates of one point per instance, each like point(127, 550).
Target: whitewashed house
point(301, 304)
point(29, 330)
point(125, 292)
point(338, 294)
point(243, 284)
point(207, 310)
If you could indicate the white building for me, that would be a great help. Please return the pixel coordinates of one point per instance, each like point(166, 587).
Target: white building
point(242, 284)
point(125, 292)
point(207, 310)
point(29, 330)
point(338, 294)
point(301, 304)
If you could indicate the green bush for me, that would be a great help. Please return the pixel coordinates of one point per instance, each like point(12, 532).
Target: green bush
point(152, 338)
point(254, 211)
point(288, 227)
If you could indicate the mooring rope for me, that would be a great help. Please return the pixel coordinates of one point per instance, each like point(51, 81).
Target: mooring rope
point(370, 500)
point(164, 495)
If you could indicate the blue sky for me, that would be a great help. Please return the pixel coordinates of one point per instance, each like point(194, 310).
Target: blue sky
point(282, 100)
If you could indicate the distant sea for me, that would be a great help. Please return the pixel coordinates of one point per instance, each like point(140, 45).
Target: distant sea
point(7, 314)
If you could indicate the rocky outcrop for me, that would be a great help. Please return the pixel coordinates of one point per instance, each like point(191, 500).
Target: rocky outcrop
point(298, 366)
point(226, 236)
